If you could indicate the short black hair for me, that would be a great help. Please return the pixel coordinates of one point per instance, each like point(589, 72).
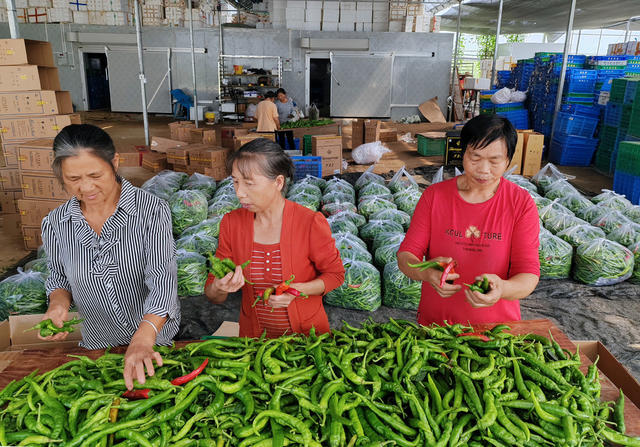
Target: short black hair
point(269, 94)
point(265, 156)
point(280, 90)
point(483, 130)
point(75, 138)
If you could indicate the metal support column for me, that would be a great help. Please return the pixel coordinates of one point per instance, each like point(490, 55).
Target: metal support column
point(193, 65)
point(495, 49)
point(628, 30)
point(143, 80)
point(563, 72)
point(578, 44)
point(455, 62)
point(13, 19)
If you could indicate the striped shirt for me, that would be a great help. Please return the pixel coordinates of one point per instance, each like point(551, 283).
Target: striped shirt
point(266, 271)
point(114, 279)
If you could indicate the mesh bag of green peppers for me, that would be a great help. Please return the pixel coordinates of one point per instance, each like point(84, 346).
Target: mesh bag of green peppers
point(192, 273)
point(188, 208)
point(552, 210)
point(200, 182)
point(602, 262)
point(635, 249)
point(24, 293)
point(201, 243)
point(386, 254)
point(341, 225)
point(355, 253)
point(394, 215)
point(402, 180)
point(346, 240)
point(338, 184)
point(361, 289)
point(375, 189)
point(633, 213)
point(210, 226)
point(373, 204)
point(522, 182)
point(627, 234)
point(575, 202)
point(580, 234)
point(307, 200)
point(357, 219)
point(333, 208)
point(399, 291)
point(611, 199)
point(386, 238)
point(559, 189)
point(555, 257)
point(592, 212)
point(610, 221)
point(220, 207)
point(558, 222)
point(338, 197)
point(368, 178)
point(541, 202)
point(415, 389)
point(307, 188)
point(317, 181)
point(161, 186)
point(373, 227)
point(38, 265)
point(407, 200)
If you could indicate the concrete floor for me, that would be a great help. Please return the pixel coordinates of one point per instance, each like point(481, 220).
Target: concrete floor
point(129, 132)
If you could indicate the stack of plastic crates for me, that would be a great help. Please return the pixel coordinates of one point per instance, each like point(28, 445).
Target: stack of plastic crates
point(627, 176)
point(608, 69)
point(306, 165)
point(573, 143)
point(580, 86)
point(486, 106)
point(633, 67)
point(505, 78)
point(522, 74)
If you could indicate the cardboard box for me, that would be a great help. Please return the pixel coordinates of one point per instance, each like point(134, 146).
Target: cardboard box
point(9, 156)
point(11, 225)
point(477, 83)
point(532, 152)
point(32, 211)
point(45, 102)
point(240, 141)
point(191, 135)
point(212, 157)
point(209, 137)
point(180, 130)
point(32, 237)
point(10, 179)
point(326, 146)
point(357, 133)
point(28, 77)
point(371, 131)
point(37, 155)
point(159, 144)
point(26, 52)
point(179, 156)
point(612, 368)
point(14, 337)
point(227, 329)
point(154, 161)
point(389, 135)
point(22, 128)
point(218, 173)
point(9, 202)
point(129, 158)
point(41, 185)
point(516, 160)
point(331, 166)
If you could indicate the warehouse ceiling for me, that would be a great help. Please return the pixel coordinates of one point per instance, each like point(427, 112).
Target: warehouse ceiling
point(539, 16)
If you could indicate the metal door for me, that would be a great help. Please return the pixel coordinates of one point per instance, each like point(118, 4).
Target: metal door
point(124, 84)
point(361, 85)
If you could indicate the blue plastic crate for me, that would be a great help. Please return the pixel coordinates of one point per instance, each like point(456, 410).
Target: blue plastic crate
point(296, 142)
point(582, 126)
point(613, 114)
point(581, 73)
point(509, 105)
point(627, 184)
point(306, 165)
point(572, 150)
point(580, 85)
point(582, 110)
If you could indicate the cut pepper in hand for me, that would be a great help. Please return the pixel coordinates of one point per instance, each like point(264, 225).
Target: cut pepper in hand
point(48, 328)
point(283, 287)
point(445, 268)
point(222, 267)
point(480, 286)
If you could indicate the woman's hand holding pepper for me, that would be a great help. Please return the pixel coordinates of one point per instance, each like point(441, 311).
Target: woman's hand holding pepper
point(140, 354)
point(58, 315)
point(433, 276)
point(231, 282)
point(496, 288)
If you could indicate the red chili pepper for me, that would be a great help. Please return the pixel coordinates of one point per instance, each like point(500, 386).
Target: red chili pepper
point(477, 335)
point(296, 293)
point(284, 286)
point(192, 375)
point(136, 394)
point(448, 269)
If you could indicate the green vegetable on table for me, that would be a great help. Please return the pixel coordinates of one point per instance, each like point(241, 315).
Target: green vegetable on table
point(222, 267)
point(305, 123)
point(47, 327)
point(391, 383)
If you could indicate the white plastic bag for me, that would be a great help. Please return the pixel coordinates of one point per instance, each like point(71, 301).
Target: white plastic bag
point(402, 180)
point(517, 96)
point(502, 96)
point(407, 138)
point(458, 172)
point(439, 176)
point(549, 174)
point(369, 153)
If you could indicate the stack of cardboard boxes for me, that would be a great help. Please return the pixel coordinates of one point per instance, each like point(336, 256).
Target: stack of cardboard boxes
point(32, 112)
point(329, 147)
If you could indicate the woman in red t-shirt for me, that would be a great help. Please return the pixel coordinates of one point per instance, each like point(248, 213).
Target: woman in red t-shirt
point(484, 222)
point(281, 238)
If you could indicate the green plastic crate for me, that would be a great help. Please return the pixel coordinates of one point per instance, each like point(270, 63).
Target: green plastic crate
point(430, 147)
point(628, 159)
point(604, 162)
point(306, 144)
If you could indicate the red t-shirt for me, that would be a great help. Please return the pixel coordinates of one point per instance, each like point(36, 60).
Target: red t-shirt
point(499, 236)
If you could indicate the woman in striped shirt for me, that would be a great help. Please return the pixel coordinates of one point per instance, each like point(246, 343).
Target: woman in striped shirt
point(281, 238)
point(111, 253)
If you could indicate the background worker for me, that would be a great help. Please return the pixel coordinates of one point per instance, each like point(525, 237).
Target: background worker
point(267, 114)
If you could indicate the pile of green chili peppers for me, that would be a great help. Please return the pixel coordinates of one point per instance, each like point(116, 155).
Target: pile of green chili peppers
point(46, 327)
point(382, 384)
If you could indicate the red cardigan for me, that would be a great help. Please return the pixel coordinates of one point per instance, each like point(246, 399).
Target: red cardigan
point(307, 250)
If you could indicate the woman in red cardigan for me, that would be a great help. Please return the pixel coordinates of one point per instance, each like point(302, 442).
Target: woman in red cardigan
point(281, 238)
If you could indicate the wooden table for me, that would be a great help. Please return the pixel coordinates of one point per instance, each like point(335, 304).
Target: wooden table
point(46, 360)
